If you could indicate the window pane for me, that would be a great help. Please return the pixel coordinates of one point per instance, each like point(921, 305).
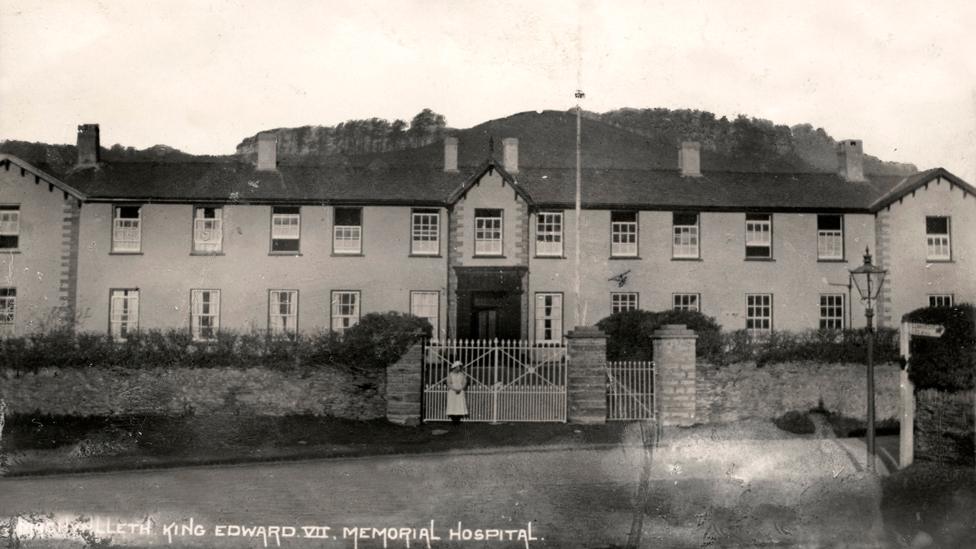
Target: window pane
point(123, 313)
point(348, 216)
point(832, 312)
point(937, 225)
point(623, 216)
point(549, 233)
point(8, 309)
point(548, 317)
point(204, 314)
point(207, 230)
point(283, 311)
point(829, 222)
point(623, 301)
point(425, 232)
point(425, 305)
point(345, 309)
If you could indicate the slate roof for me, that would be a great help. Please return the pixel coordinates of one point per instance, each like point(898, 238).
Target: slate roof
point(545, 187)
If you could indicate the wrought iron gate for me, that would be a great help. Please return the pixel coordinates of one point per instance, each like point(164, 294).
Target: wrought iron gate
point(507, 380)
point(630, 390)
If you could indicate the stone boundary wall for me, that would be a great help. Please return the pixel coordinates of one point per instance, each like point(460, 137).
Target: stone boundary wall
point(743, 390)
point(404, 387)
point(171, 391)
point(944, 426)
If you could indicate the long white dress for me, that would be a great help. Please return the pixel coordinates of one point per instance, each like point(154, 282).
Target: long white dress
point(456, 403)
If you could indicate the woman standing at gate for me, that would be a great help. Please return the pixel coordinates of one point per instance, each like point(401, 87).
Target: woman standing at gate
point(457, 406)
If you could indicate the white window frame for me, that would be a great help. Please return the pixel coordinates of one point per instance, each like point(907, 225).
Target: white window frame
point(425, 232)
point(759, 234)
point(624, 235)
point(282, 315)
point(204, 309)
point(948, 300)
point(830, 242)
point(421, 306)
point(833, 309)
point(549, 317)
point(208, 232)
point(286, 226)
point(489, 232)
point(345, 313)
point(686, 302)
point(758, 323)
point(549, 234)
point(938, 246)
point(123, 312)
point(624, 301)
point(10, 225)
point(126, 231)
point(685, 238)
point(8, 309)
point(347, 239)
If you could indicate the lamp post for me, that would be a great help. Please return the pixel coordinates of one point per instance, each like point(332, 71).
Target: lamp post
point(868, 279)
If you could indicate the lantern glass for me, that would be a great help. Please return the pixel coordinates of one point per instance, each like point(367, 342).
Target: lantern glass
point(866, 273)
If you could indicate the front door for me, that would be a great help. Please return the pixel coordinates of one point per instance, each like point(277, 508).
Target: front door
point(486, 323)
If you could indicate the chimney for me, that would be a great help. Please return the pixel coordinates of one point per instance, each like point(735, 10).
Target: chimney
point(510, 154)
point(850, 160)
point(88, 145)
point(267, 151)
point(450, 154)
point(689, 159)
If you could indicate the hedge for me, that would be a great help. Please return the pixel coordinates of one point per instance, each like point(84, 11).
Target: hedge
point(377, 340)
point(629, 338)
point(947, 363)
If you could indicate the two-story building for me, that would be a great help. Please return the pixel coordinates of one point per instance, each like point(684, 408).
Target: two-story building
point(481, 251)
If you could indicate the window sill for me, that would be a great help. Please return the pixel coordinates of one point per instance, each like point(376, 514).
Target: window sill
point(10, 251)
point(488, 256)
point(207, 253)
point(341, 254)
point(125, 253)
point(687, 259)
point(618, 257)
point(819, 260)
point(425, 255)
point(285, 253)
point(761, 259)
point(940, 260)
point(549, 257)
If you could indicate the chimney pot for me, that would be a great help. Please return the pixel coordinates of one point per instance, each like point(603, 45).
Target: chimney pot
point(689, 159)
point(510, 154)
point(850, 160)
point(89, 147)
point(267, 151)
point(450, 154)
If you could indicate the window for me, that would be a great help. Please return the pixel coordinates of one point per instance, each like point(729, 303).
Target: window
point(937, 239)
point(204, 314)
point(623, 301)
point(345, 310)
point(425, 232)
point(286, 229)
point(283, 312)
point(549, 234)
point(830, 237)
point(685, 233)
point(759, 236)
point(832, 312)
point(685, 302)
point(208, 230)
point(549, 317)
point(427, 305)
point(487, 232)
point(347, 231)
point(935, 300)
point(127, 229)
point(8, 309)
point(9, 227)
point(123, 313)
point(759, 314)
point(623, 234)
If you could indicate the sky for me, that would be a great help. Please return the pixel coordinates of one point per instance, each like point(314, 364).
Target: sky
point(201, 75)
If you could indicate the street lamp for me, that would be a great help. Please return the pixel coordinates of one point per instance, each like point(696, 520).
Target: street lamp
point(868, 279)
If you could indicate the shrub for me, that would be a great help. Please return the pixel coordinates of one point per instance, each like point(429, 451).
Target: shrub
point(796, 422)
point(629, 332)
point(946, 363)
point(829, 346)
point(376, 341)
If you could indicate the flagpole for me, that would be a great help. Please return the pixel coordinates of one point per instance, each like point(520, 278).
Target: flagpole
point(576, 262)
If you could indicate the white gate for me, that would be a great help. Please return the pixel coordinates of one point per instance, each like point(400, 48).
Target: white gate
point(507, 380)
point(630, 390)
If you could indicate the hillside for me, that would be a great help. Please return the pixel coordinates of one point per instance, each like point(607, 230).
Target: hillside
point(623, 138)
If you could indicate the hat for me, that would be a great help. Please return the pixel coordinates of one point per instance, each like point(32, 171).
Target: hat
point(457, 364)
